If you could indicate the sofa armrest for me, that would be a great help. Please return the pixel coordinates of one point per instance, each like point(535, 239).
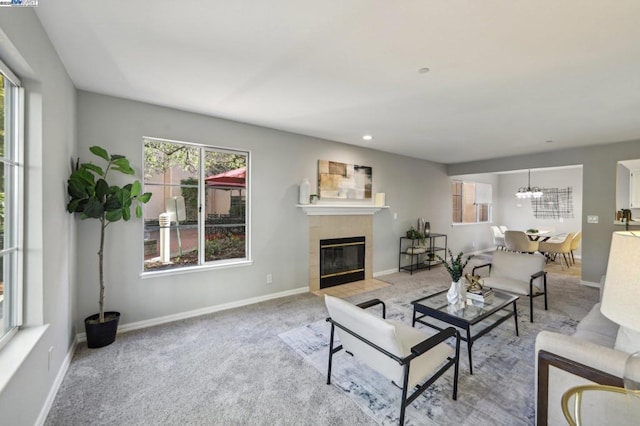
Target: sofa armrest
point(473, 271)
point(584, 352)
point(432, 341)
point(373, 302)
point(565, 361)
point(538, 275)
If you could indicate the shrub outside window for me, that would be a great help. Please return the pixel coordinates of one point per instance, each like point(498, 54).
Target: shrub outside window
point(198, 212)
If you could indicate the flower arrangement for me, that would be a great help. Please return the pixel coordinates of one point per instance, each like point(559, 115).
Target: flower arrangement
point(455, 266)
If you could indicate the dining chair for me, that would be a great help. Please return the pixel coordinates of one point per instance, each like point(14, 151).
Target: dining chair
point(503, 228)
point(498, 238)
point(575, 243)
point(519, 242)
point(552, 250)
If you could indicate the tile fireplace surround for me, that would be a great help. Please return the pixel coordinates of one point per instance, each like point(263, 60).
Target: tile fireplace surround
point(338, 226)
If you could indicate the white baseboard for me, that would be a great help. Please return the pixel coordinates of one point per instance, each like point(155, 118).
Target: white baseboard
point(383, 273)
point(82, 337)
point(590, 283)
point(53, 391)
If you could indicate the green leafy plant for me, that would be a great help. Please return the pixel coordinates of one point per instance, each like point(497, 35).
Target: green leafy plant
point(455, 265)
point(532, 231)
point(94, 198)
point(414, 234)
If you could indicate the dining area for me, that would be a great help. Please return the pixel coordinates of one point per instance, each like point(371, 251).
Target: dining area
point(558, 247)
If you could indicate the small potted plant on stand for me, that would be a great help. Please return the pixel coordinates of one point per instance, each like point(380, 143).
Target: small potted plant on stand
point(455, 267)
point(94, 198)
point(415, 234)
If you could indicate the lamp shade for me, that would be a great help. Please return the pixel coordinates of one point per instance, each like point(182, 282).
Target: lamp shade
point(621, 295)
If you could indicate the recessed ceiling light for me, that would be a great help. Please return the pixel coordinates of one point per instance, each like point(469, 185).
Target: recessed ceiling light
point(423, 70)
point(367, 137)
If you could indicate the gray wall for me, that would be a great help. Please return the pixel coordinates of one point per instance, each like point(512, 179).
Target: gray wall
point(599, 191)
point(50, 231)
point(279, 230)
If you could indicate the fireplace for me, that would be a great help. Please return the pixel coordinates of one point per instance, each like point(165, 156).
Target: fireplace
point(342, 260)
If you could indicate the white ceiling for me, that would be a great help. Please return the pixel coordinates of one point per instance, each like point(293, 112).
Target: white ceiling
point(506, 76)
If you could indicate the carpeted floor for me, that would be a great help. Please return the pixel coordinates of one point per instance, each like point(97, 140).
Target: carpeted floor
point(231, 368)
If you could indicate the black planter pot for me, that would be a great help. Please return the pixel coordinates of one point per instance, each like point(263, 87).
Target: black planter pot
point(101, 334)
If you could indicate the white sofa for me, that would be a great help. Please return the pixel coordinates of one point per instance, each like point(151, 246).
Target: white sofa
point(586, 357)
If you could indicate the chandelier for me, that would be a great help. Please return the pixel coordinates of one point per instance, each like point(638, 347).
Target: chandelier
point(529, 192)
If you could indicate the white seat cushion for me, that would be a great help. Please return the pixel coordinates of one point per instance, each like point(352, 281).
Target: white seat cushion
point(510, 285)
point(424, 365)
point(597, 328)
point(627, 340)
point(393, 336)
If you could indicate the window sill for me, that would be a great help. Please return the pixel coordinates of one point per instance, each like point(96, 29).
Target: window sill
point(199, 268)
point(471, 223)
point(16, 351)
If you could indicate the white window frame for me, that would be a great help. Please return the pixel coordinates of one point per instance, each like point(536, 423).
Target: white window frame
point(14, 158)
point(216, 264)
point(481, 188)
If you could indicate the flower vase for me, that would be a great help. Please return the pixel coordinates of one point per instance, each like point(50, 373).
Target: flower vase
point(305, 192)
point(453, 295)
point(462, 291)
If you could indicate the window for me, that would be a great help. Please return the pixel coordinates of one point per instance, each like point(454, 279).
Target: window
point(197, 214)
point(11, 208)
point(471, 202)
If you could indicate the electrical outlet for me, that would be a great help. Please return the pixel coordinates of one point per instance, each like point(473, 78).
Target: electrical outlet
point(395, 216)
point(592, 219)
point(49, 356)
point(269, 279)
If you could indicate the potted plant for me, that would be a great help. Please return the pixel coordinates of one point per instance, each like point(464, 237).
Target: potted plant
point(414, 234)
point(455, 266)
point(94, 198)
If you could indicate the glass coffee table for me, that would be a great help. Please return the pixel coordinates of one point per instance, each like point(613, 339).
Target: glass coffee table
point(491, 313)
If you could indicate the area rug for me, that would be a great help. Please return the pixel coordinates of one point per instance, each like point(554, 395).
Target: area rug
point(501, 390)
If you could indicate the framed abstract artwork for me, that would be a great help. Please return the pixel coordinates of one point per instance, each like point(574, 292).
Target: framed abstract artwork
point(344, 181)
point(555, 203)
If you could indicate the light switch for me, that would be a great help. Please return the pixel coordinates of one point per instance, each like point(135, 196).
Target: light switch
point(592, 219)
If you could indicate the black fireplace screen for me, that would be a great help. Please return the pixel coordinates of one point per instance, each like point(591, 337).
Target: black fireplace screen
point(341, 261)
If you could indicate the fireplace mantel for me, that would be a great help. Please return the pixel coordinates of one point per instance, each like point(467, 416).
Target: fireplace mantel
point(340, 209)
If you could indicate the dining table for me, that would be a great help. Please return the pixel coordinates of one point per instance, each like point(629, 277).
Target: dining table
point(540, 235)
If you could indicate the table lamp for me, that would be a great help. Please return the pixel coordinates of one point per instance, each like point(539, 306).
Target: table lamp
point(621, 295)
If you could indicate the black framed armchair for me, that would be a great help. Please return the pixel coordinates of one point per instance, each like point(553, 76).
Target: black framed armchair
point(403, 354)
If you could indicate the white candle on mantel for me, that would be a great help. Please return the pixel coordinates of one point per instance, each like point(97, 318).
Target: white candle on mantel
point(380, 198)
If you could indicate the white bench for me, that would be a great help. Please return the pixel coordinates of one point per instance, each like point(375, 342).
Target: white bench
point(403, 354)
point(517, 273)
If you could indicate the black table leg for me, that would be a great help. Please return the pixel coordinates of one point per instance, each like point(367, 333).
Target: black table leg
point(515, 316)
point(469, 344)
